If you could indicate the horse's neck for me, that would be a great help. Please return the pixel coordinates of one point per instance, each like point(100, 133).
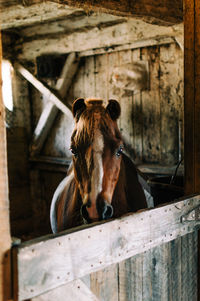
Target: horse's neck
point(71, 204)
point(128, 194)
point(119, 200)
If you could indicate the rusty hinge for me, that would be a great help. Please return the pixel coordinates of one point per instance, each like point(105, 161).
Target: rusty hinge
point(193, 215)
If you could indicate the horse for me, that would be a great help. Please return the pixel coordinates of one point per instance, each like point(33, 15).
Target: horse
point(102, 181)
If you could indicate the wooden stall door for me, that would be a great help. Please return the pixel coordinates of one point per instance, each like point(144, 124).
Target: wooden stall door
point(149, 256)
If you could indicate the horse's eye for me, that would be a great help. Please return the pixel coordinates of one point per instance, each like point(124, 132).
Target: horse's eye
point(73, 151)
point(119, 151)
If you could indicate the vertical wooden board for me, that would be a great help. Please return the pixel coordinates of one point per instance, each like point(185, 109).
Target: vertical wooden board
point(131, 279)
point(151, 108)
point(126, 102)
point(174, 273)
point(5, 239)
point(137, 117)
point(192, 95)
point(197, 95)
point(101, 76)
point(78, 82)
point(89, 77)
point(155, 274)
point(189, 86)
point(170, 101)
point(113, 92)
point(104, 284)
point(189, 267)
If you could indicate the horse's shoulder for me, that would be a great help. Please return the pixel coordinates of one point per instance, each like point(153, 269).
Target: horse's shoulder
point(63, 186)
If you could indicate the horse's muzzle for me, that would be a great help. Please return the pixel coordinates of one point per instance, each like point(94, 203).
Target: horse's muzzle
point(105, 211)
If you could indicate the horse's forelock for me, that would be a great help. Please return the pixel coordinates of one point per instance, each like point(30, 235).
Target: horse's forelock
point(93, 119)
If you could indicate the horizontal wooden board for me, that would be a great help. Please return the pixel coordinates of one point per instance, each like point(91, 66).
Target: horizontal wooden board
point(54, 260)
point(75, 291)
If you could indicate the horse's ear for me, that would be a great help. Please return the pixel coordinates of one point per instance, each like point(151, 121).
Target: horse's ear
point(78, 107)
point(113, 109)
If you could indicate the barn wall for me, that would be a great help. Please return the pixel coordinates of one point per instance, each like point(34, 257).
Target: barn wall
point(151, 121)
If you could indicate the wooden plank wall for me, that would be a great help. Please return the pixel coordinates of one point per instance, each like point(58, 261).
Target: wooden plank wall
point(149, 120)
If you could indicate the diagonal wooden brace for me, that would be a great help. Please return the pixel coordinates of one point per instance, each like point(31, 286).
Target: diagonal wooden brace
point(50, 112)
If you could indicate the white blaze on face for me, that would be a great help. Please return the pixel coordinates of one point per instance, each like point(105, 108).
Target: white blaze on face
point(97, 173)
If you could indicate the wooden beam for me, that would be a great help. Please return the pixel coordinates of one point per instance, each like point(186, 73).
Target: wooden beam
point(5, 239)
point(192, 95)
point(163, 12)
point(42, 89)
point(55, 260)
point(126, 35)
point(75, 291)
point(137, 44)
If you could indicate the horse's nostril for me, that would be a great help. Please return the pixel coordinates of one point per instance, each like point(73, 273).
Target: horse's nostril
point(107, 212)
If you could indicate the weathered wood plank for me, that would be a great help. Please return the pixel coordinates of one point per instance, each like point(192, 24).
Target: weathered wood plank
point(189, 267)
point(131, 279)
point(26, 15)
point(137, 44)
point(171, 103)
point(104, 283)
point(151, 108)
point(174, 270)
point(48, 262)
point(44, 90)
point(5, 239)
point(100, 40)
point(74, 291)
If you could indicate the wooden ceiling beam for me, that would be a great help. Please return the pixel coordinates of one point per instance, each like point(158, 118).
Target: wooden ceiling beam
point(160, 12)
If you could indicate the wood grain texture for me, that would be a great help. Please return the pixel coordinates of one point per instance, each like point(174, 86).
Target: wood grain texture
point(171, 103)
point(49, 262)
point(151, 107)
point(104, 283)
point(189, 95)
point(94, 40)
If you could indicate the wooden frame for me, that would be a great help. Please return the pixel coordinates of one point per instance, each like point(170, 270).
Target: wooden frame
point(192, 124)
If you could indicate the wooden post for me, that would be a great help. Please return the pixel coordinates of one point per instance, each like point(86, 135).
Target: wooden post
point(192, 102)
point(192, 95)
point(5, 240)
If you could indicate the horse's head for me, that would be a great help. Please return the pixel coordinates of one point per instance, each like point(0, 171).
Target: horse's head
point(96, 145)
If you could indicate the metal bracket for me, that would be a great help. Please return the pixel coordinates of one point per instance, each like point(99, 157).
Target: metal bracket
point(193, 215)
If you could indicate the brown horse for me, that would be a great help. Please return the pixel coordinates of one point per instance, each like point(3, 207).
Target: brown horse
point(102, 182)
